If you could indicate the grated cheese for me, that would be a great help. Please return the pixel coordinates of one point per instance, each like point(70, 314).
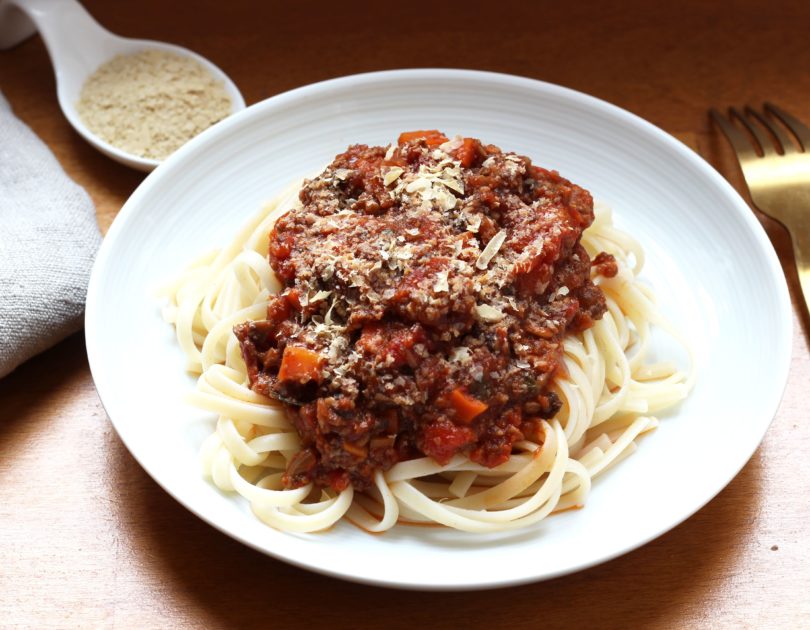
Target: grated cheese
point(320, 295)
point(441, 283)
point(490, 250)
point(460, 355)
point(451, 145)
point(392, 175)
point(488, 313)
point(434, 184)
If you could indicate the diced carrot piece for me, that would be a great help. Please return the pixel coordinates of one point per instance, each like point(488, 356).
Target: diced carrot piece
point(466, 152)
point(433, 137)
point(466, 407)
point(300, 365)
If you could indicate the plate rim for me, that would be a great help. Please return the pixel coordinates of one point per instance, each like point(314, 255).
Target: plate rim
point(783, 333)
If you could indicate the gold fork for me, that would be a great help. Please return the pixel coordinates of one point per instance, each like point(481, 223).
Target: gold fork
point(777, 172)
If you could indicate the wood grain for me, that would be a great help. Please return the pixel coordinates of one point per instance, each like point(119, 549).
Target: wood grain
point(87, 539)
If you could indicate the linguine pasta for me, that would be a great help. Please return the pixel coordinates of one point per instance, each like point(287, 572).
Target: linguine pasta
point(610, 396)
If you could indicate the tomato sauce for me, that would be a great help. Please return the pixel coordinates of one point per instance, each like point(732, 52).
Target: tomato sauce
point(428, 288)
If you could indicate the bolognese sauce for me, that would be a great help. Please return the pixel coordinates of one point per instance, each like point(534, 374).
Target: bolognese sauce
point(428, 288)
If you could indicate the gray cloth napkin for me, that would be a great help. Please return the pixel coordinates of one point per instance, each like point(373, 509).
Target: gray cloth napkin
point(48, 238)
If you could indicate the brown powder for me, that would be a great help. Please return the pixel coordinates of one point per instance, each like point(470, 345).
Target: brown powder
point(151, 102)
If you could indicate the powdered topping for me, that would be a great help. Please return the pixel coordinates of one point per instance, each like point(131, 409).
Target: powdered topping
point(151, 102)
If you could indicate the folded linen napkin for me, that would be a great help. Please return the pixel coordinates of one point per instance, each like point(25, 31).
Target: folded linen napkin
point(48, 238)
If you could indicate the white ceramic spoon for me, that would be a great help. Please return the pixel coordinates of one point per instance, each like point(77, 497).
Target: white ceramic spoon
point(77, 46)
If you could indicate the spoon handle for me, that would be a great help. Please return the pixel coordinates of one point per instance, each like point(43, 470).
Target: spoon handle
point(15, 26)
point(70, 33)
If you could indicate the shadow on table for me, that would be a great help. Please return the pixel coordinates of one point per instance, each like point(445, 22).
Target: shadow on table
point(37, 388)
point(218, 582)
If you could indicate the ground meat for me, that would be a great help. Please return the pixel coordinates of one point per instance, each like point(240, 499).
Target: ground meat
point(605, 265)
point(428, 288)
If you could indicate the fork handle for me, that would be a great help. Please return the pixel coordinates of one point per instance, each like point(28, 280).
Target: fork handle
point(800, 236)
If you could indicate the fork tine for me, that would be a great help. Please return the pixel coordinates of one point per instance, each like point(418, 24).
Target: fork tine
point(798, 128)
point(788, 146)
point(763, 141)
point(742, 146)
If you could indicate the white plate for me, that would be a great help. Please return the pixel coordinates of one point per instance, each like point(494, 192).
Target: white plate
point(712, 264)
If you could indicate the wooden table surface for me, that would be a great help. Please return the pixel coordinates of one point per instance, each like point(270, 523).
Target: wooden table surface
point(87, 539)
